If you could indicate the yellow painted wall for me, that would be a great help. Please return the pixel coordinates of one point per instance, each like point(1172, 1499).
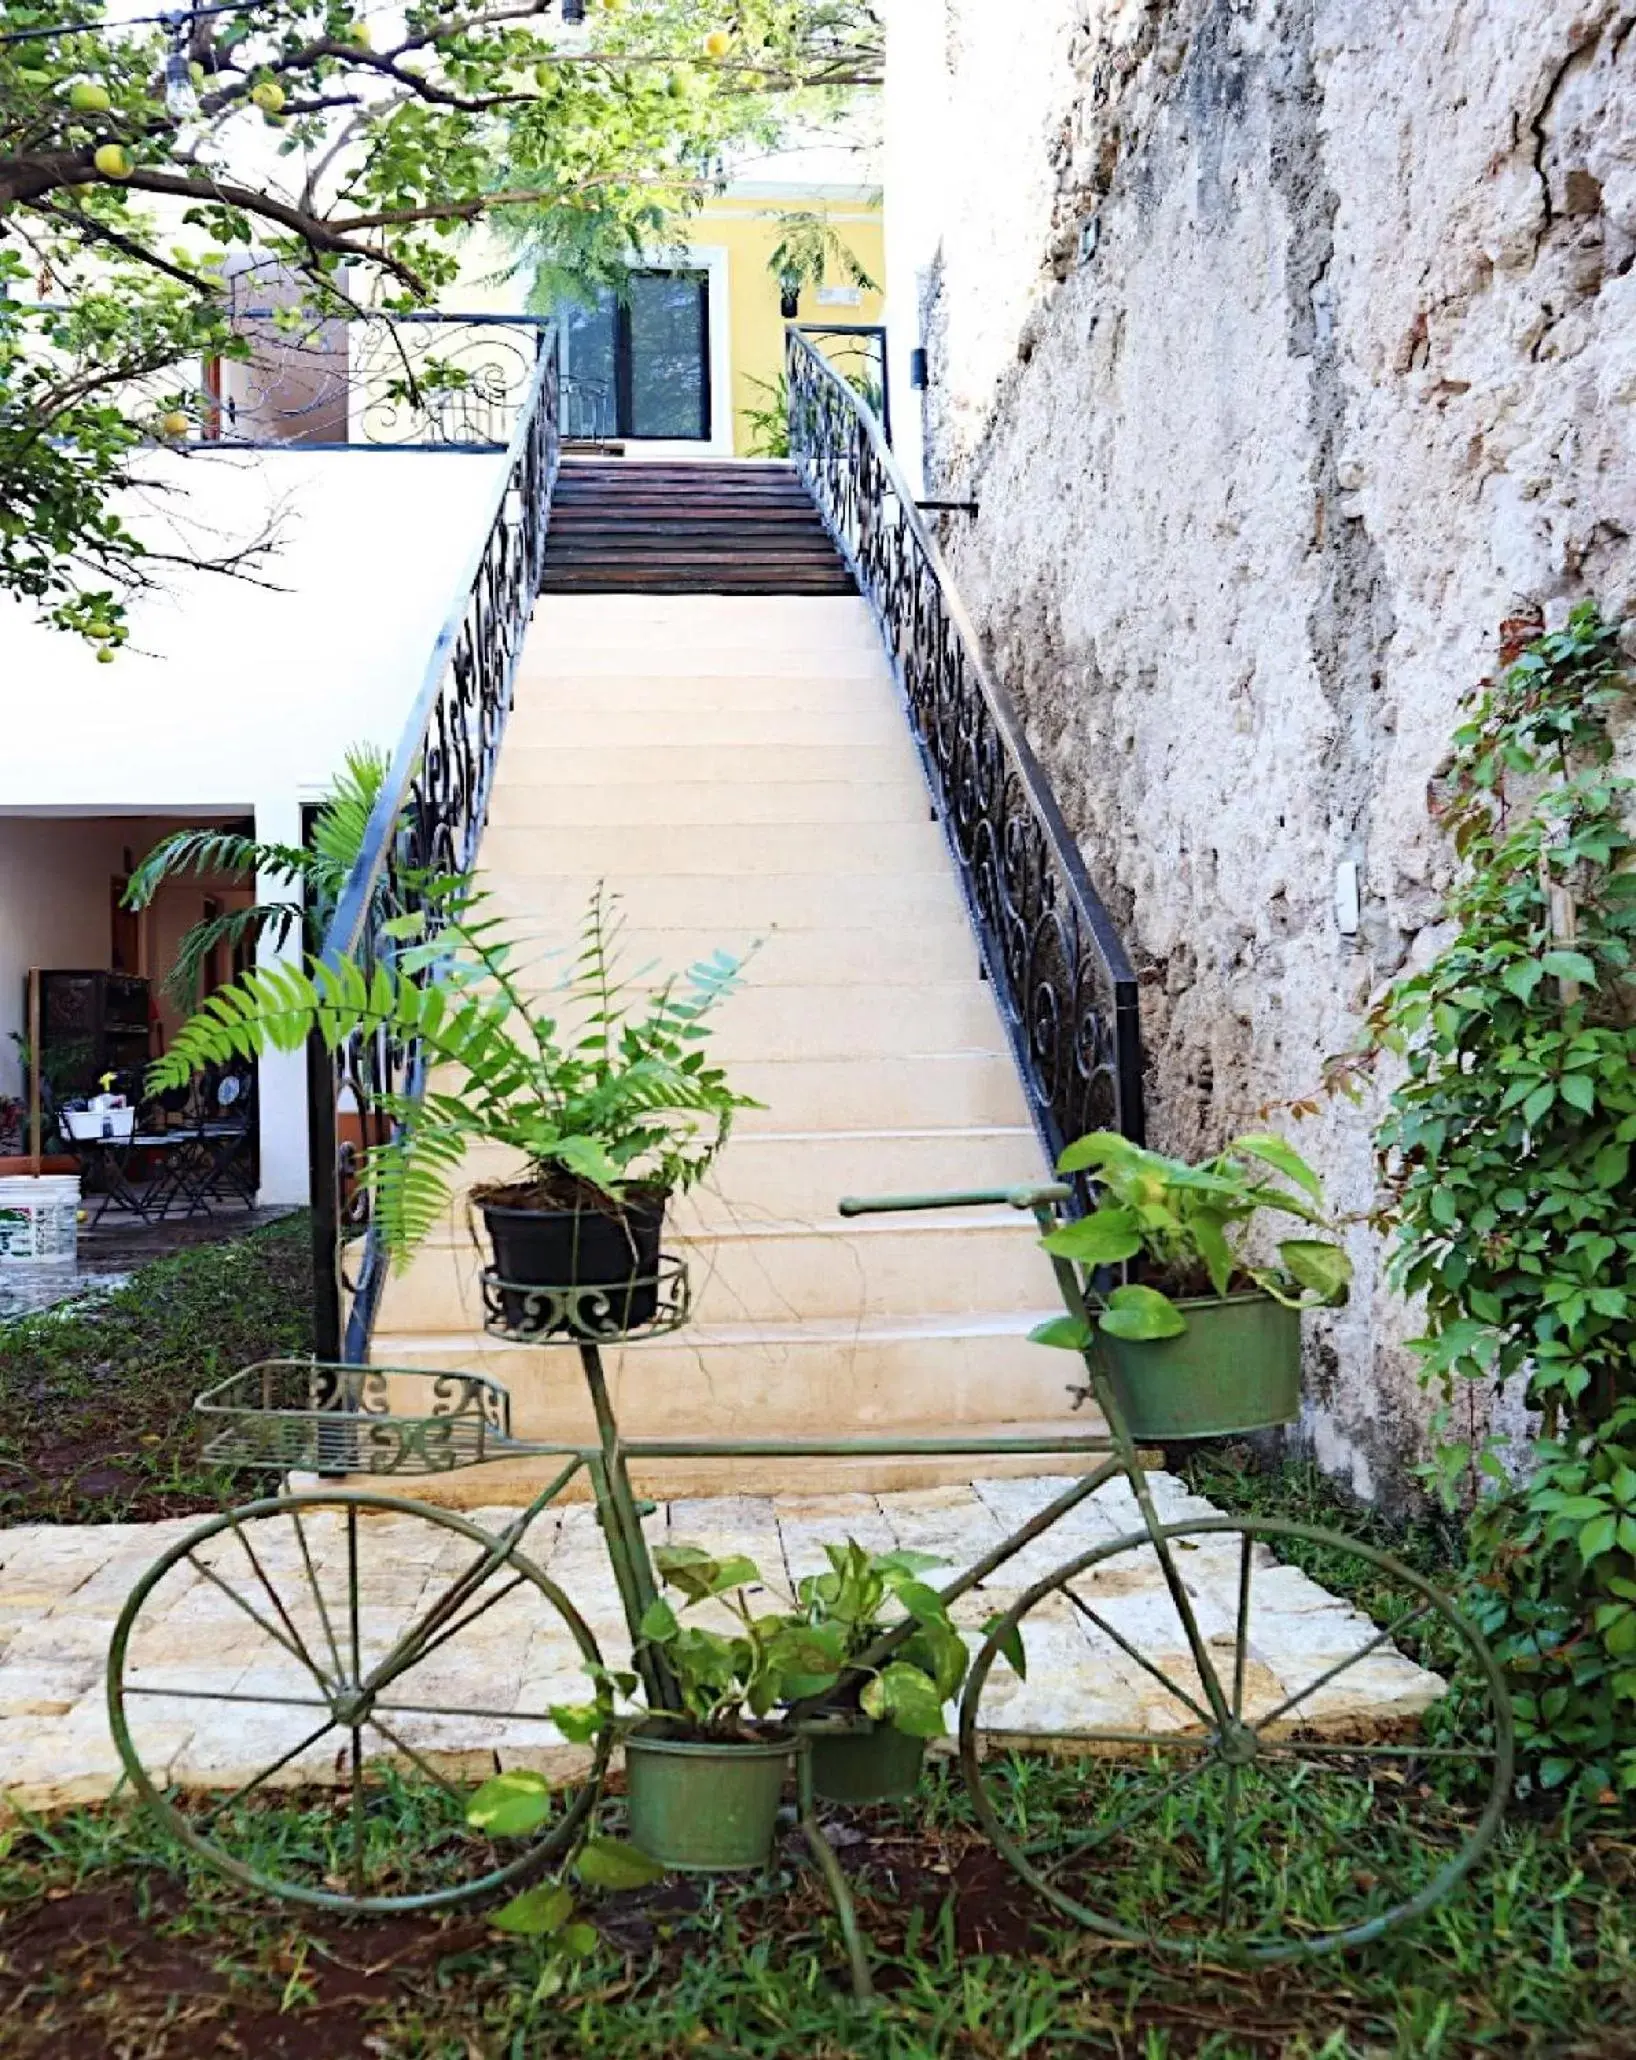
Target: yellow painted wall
point(746, 228)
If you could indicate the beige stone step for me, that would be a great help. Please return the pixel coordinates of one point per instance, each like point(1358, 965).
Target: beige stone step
point(716, 803)
point(661, 660)
point(955, 1090)
point(935, 951)
point(778, 1272)
point(854, 1022)
point(592, 719)
point(799, 624)
point(613, 850)
point(732, 908)
point(835, 1377)
point(510, 1483)
point(654, 765)
point(799, 1177)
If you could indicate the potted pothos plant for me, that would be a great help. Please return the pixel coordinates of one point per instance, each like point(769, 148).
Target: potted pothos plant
point(598, 1081)
point(1199, 1338)
point(899, 1703)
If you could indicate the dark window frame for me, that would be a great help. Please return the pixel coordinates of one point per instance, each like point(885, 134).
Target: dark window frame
point(623, 357)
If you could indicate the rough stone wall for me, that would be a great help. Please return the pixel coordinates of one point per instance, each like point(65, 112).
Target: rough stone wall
point(1322, 357)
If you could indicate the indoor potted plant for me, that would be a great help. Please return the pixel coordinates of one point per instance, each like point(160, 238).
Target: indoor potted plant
point(1199, 1339)
point(603, 1089)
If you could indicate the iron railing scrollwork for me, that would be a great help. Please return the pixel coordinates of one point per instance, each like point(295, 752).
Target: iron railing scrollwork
point(426, 822)
point(1065, 986)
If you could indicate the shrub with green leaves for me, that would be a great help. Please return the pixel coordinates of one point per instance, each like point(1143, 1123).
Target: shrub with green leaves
point(853, 1606)
point(1506, 1155)
point(1180, 1227)
point(597, 1077)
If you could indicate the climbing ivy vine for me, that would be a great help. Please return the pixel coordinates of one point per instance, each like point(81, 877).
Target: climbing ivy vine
point(1506, 1153)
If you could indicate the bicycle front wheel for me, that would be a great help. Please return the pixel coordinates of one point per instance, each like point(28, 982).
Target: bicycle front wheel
point(1313, 1773)
point(306, 1690)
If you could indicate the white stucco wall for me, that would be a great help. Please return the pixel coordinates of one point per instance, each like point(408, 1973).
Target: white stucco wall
point(1286, 345)
point(231, 698)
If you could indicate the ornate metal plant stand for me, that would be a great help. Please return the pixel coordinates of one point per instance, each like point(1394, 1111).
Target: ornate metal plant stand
point(1180, 1831)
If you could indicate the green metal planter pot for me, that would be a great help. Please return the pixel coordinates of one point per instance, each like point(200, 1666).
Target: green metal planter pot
point(881, 1764)
point(704, 1809)
point(1236, 1368)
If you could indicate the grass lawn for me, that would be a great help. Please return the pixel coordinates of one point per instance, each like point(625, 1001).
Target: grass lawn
point(111, 1948)
point(94, 1397)
point(108, 1947)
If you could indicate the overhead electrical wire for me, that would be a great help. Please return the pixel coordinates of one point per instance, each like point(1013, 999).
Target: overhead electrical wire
point(136, 21)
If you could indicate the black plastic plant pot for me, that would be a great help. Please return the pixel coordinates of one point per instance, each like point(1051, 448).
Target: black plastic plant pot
point(1236, 1368)
point(880, 1764)
point(577, 1272)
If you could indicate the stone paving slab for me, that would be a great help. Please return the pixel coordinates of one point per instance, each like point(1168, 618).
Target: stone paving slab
point(229, 1689)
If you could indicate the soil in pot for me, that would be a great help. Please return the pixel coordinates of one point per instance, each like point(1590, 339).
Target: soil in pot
point(704, 1808)
point(564, 1233)
point(1236, 1368)
point(879, 1764)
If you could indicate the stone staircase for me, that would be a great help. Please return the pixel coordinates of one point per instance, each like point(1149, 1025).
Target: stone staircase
point(739, 768)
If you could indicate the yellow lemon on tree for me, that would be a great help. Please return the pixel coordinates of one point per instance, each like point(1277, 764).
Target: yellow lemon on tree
point(113, 161)
point(175, 423)
point(359, 32)
point(268, 96)
point(105, 656)
point(87, 97)
point(717, 43)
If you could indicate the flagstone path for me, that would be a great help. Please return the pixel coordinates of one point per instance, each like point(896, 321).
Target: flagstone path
point(61, 1589)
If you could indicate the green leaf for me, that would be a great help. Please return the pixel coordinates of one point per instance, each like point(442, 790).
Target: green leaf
point(537, 1912)
point(1140, 1314)
point(1096, 1148)
point(1570, 965)
point(1523, 977)
point(1009, 1641)
point(1104, 1238)
point(579, 1723)
point(1597, 1537)
point(579, 1939)
point(1323, 1268)
point(511, 1805)
point(1579, 1089)
point(1283, 1158)
point(613, 1863)
point(1538, 1102)
point(903, 1695)
point(1066, 1332)
point(659, 1621)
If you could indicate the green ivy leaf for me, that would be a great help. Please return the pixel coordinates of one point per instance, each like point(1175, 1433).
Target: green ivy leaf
point(1523, 977)
point(612, 1863)
point(903, 1696)
point(1283, 1158)
point(1323, 1268)
point(1008, 1640)
point(1105, 1238)
point(1597, 1537)
point(1065, 1332)
point(1141, 1314)
point(511, 1805)
point(1570, 965)
point(537, 1912)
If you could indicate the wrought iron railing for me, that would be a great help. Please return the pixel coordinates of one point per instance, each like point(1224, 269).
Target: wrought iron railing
point(857, 350)
point(426, 821)
point(1065, 985)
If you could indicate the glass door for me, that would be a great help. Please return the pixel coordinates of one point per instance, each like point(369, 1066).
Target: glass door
point(638, 364)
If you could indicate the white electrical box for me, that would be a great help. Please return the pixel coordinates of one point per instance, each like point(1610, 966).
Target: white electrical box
point(1346, 897)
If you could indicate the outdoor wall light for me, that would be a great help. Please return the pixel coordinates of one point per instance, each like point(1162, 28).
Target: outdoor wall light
point(919, 371)
point(573, 10)
point(789, 295)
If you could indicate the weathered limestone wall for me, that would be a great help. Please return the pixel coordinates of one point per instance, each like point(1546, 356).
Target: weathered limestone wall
point(1286, 344)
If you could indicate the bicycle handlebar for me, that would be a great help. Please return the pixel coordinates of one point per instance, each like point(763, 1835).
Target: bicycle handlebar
point(1026, 1197)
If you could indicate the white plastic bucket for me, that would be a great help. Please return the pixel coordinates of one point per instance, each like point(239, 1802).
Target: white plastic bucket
point(83, 1125)
point(39, 1218)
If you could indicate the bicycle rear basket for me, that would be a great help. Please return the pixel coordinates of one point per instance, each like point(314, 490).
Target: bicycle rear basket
point(288, 1415)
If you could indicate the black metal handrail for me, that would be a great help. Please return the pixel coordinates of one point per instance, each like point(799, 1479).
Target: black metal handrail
point(1066, 988)
point(426, 821)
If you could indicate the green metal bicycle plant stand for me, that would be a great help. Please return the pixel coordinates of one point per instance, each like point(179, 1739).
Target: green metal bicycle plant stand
point(358, 1613)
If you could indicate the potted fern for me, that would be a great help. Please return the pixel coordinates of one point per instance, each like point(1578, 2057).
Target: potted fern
point(601, 1087)
point(1200, 1339)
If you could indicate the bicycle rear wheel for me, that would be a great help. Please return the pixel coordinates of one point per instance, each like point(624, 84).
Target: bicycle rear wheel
point(305, 1691)
point(1329, 1772)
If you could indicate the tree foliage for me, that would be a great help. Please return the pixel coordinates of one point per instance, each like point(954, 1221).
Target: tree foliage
point(1507, 1157)
point(141, 163)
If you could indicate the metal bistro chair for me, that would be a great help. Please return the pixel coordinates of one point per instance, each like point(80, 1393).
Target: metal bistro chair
point(212, 1160)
